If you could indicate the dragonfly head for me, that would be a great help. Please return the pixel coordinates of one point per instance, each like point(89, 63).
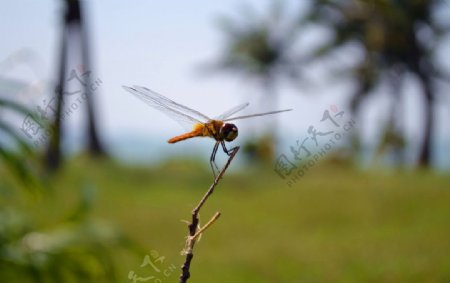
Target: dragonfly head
point(228, 132)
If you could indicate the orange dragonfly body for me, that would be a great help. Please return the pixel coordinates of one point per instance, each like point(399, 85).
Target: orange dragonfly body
point(209, 129)
point(203, 126)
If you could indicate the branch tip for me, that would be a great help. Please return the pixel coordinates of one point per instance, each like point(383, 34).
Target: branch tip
point(194, 225)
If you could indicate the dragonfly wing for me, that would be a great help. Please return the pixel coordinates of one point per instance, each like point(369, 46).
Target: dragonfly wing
point(174, 110)
point(172, 104)
point(256, 115)
point(232, 111)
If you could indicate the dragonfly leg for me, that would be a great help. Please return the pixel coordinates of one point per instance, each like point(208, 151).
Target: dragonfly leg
point(212, 161)
point(228, 151)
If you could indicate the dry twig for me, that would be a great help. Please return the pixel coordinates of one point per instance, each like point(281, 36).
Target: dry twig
point(193, 233)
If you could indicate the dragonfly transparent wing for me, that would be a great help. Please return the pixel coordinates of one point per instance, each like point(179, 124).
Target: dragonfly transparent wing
point(161, 99)
point(256, 115)
point(180, 113)
point(232, 111)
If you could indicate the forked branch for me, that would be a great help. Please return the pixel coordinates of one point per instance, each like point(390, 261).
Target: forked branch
point(193, 233)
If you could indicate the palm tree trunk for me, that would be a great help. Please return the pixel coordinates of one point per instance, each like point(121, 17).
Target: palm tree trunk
point(362, 88)
point(94, 145)
point(396, 118)
point(270, 103)
point(425, 151)
point(267, 142)
point(53, 153)
point(73, 22)
point(423, 68)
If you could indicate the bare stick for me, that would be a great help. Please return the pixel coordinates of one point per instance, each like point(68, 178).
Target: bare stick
point(193, 234)
point(201, 230)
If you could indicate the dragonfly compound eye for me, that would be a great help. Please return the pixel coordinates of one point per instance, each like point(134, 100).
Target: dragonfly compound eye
point(229, 132)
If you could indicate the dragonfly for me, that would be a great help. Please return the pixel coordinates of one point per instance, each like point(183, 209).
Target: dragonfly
point(217, 128)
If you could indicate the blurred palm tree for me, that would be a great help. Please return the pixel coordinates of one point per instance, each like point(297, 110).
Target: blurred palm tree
point(398, 38)
point(74, 34)
point(260, 48)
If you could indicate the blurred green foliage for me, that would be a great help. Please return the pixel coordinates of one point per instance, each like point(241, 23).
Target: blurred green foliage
point(260, 151)
point(44, 242)
point(16, 152)
point(44, 238)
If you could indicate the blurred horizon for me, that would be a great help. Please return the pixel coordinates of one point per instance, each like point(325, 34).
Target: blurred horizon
point(149, 55)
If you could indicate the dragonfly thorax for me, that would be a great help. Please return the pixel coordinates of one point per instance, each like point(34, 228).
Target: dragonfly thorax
point(228, 132)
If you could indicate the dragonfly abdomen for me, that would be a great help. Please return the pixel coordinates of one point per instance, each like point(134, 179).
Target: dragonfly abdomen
point(193, 134)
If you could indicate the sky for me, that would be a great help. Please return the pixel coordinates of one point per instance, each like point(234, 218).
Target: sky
point(163, 45)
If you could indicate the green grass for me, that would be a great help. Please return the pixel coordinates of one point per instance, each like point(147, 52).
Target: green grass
point(337, 224)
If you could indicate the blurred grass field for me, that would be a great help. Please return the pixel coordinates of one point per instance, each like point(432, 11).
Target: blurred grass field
point(337, 224)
